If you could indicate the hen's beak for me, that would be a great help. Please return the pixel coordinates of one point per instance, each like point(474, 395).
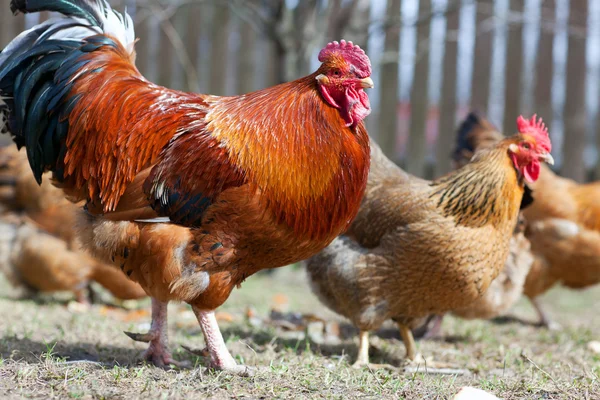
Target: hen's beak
point(547, 158)
point(367, 82)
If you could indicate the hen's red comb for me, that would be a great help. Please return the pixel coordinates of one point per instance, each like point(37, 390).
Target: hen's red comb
point(351, 52)
point(536, 128)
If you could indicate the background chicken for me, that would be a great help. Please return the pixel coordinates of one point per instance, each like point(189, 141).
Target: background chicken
point(418, 248)
point(564, 230)
point(188, 194)
point(39, 247)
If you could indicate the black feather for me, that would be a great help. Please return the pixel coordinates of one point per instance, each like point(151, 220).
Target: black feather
point(35, 124)
point(462, 135)
point(527, 198)
point(88, 10)
point(37, 75)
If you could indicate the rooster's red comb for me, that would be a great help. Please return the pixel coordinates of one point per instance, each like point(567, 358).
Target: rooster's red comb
point(351, 52)
point(536, 128)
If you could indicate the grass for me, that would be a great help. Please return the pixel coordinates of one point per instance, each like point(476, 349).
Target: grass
point(47, 350)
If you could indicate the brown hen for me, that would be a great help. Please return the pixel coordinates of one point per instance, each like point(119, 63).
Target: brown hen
point(417, 247)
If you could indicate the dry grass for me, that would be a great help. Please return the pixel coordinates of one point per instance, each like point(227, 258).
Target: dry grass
point(48, 351)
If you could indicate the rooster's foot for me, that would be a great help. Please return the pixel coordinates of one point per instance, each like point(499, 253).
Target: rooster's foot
point(162, 358)
point(141, 337)
point(233, 369)
point(227, 366)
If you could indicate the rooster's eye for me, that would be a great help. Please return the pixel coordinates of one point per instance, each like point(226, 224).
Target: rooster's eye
point(526, 146)
point(336, 72)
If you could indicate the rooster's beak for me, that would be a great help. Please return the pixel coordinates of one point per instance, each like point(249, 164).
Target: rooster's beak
point(547, 158)
point(367, 82)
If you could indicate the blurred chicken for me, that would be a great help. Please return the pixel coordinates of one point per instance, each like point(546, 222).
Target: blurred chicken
point(38, 247)
point(564, 230)
point(418, 248)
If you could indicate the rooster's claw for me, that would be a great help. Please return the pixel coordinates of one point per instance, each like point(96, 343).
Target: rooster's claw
point(200, 353)
point(140, 337)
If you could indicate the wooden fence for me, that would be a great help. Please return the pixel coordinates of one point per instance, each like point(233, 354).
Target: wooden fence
point(433, 61)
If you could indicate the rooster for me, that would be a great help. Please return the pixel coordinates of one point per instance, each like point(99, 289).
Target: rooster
point(188, 194)
point(418, 248)
point(40, 250)
point(564, 230)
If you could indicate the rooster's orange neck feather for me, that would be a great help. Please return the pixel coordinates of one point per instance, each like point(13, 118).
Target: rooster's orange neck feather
point(297, 150)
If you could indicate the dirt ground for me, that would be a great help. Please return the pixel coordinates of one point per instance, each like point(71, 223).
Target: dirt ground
point(50, 348)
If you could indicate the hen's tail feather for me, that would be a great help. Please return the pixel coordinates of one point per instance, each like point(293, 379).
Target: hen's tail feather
point(462, 135)
point(39, 68)
point(474, 132)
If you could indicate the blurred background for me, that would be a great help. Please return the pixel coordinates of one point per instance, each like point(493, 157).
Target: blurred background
point(433, 61)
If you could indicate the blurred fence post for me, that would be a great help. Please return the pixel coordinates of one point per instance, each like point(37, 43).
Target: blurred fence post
point(544, 64)
point(219, 45)
point(447, 121)
point(575, 105)
point(358, 30)
point(514, 66)
point(388, 104)
point(246, 81)
point(419, 99)
point(7, 23)
point(482, 56)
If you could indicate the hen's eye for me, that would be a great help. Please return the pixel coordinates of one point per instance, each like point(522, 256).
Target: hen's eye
point(336, 72)
point(526, 146)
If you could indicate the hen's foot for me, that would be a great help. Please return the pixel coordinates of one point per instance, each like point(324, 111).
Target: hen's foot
point(550, 325)
point(545, 320)
point(428, 365)
point(359, 365)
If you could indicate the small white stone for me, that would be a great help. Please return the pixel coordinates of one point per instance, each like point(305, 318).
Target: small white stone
point(470, 393)
point(594, 346)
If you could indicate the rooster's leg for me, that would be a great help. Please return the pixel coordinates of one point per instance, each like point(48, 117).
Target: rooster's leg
point(363, 350)
point(158, 349)
point(545, 320)
point(220, 358)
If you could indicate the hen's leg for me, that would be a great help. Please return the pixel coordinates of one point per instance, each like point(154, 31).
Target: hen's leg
point(220, 358)
point(363, 350)
point(431, 329)
point(158, 350)
point(417, 358)
point(362, 360)
point(409, 341)
point(545, 320)
point(435, 330)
